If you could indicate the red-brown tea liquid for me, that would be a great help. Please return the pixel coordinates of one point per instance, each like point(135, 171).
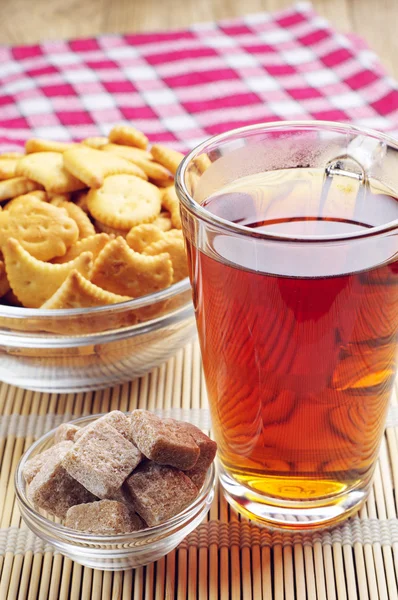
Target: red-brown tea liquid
point(299, 363)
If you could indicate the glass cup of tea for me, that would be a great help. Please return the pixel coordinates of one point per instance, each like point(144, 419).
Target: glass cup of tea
point(291, 231)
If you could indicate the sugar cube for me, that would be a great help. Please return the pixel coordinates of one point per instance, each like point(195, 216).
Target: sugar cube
point(65, 432)
point(101, 459)
point(53, 489)
point(159, 492)
point(161, 442)
point(33, 466)
point(105, 517)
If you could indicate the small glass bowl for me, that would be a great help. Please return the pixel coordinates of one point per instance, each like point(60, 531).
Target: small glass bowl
point(83, 349)
point(117, 552)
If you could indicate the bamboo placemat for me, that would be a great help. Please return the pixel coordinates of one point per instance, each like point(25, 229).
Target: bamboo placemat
point(227, 557)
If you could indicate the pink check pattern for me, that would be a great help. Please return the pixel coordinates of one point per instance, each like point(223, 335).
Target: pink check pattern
point(182, 86)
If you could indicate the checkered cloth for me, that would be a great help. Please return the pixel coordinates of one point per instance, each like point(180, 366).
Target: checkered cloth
point(182, 86)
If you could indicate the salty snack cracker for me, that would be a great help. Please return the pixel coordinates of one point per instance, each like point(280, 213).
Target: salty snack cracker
point(4, 283)
point(128, 136)
point(163, 221)
point(167, 157)
point(48, 169)
point(85, 226)
point(12, 155)
point(65, 432)
point(77, 292)
point(45, 231)
point(7, 167)
point(9, 188)
point(93, 244)
point(120, 270)
point(159, 492)
point(124, 201)
point(171, 203)
point(35, 195)
point(93, 166)
point(54, 490)
point(143, 159)
point(111, 231)
point(128, 152)
point(33, 466)
point(175, 249)
point(96, 142)
point(34, 281)
point(101, 459)
point(38, 145)
point(162, 442)
point(105, 517)
point(141, 236)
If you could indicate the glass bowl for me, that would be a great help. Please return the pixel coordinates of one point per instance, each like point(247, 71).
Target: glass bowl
point(117, 552)
point(85, 349)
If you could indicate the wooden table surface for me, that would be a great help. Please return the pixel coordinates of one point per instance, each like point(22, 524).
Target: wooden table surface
point(24, 21)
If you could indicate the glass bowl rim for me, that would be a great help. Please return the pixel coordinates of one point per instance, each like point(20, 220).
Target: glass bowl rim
point(311, 125)
point(17, 312)
point(72, 535)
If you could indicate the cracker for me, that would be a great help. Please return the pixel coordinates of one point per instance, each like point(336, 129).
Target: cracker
point(167, 157)
point(80, 199)
point(45, 231)
point(171, 203)
point(12, 155)
point(202, 162)
point(7, 167)
point(128, 136)
point(22, 200)
point(37, 145)
point(95, 142)
point(141, 158)
point(48, 169)
point(141, 236)
point(124, 201)
point(56, 198)
point(34, 281)
point(120, 270)
point(163, 221)
point(77, 292)
point(93, 244)
point(92, 166)
point(111, 231)
point(128, 152)
point(4, 284)
point(9, 188)
point(176, 250)
point(85, 226)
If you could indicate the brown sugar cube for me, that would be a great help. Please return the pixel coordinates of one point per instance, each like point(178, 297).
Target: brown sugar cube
point(65, 432)
point(101, 459)
point(159, 492)
point(208, 449)
point(53, 489)
point(162, 443)
point(106, 517)
point(33, 466)
point(116, 419)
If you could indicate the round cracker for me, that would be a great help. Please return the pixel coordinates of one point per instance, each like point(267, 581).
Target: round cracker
point(124, 201)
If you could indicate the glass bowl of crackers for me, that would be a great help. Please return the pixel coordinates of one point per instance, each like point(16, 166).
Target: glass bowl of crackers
point(107, 526)
point(93, 272)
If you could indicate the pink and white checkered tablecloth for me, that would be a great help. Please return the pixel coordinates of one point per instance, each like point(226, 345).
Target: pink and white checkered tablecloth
point(182, 86)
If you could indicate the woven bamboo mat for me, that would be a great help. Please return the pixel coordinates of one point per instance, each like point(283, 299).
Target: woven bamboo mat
point(227, 557)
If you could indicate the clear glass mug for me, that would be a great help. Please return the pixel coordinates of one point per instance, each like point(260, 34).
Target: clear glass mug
point(297, 315)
